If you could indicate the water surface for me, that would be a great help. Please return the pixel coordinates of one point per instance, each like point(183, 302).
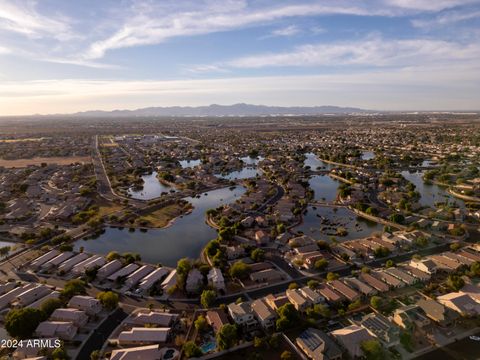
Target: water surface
point(152, 188)
point(324, 187)
point(185, 238)
point(322, 222)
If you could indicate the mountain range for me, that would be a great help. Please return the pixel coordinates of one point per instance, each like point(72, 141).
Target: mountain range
point(223, 110)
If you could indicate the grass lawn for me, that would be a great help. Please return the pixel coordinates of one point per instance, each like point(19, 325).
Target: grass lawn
point(162, 217)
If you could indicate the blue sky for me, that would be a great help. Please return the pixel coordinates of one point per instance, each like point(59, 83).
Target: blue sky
point(66, 56)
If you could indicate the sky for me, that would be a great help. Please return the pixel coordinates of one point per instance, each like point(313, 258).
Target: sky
point(66, 56)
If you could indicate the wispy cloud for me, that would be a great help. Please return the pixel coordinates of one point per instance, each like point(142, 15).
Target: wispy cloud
point(149, 24)
point(372, 51)
point(447, 18)
point(23, 18)
point(286, 31)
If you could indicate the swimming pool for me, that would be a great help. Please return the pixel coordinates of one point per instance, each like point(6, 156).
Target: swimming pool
point(207, 347)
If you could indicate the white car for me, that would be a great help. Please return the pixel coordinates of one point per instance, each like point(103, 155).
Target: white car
point(476, 338)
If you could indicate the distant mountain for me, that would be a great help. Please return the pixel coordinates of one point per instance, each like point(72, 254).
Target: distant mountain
point(224, 110)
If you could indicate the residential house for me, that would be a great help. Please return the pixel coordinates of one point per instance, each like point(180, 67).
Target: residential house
point(216, 319)
point(299, 301)
point(437, 312)
point(264, 314)
point(318, 346)
point(242, 315)
point(109, 268)
point(78, 317)
point(63, 330)
point(343, 289)
point(151, 279)
point(383, 329)
point(365, 289)
point(268, 275)
point(461, 303)
point(378, 285)
point(88, 304)
point(425, 265)
point(351, 338)
point(410, 317)
point(312, 296)
point(142, 335)
point(215, 279)
point(156, 318)
point(194, 281)
point(123, 272)
point(134, 278)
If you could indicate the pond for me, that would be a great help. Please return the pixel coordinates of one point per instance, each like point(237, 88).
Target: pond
point(322, 222)
point(315, 163)
point(13, 246)
point(430, 194)
point(324, 187)
point(185, 238)
point(249, 161)
point(368, 155)
point(152, 188)
point(245, 173)
point(189, 163)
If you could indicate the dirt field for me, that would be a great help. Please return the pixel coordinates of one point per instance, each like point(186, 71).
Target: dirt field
point(19, 163)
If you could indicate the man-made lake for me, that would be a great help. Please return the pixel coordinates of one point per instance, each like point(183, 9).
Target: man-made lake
point(245, 173)
point(185, 238)
point(368, 155)
point(315, 163)
point(430, 194)
point(322, 222)
point(152, 188)
point(324, 187)
point(189, 163)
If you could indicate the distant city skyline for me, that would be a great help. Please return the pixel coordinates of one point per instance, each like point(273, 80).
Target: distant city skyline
point(399, 55)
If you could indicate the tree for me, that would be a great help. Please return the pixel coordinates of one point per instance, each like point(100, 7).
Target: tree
point(381, 252)
point(73, 287)
point(321, 264)
point(397, 218)
point(59, 354)
point(201, 323)
point(286, 355)
point(376, 302)
point(287, 316)
point(212, 247)
point(190, 350)
point(21, 323)
point(389, 264)
point(292, 286)
point(95, 355)
point(227, 337)
point(455, 282)
point(475, 269)
point(332, 276)
point(109, 299)
point(313, 284)
point(455, 246)
point(240, 270)
point(183, 267)
point(372, 349)
point(112, 255)
point(50, 305)
point(208, 298)
point(258, 255)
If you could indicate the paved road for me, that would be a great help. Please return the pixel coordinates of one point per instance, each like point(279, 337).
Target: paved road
point(101, 334)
